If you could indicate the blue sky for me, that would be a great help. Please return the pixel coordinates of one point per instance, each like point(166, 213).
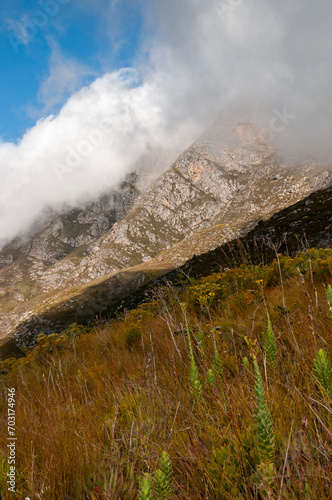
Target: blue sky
point(69, 43)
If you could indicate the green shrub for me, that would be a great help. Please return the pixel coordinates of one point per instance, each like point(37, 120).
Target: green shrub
point(163, 479)
point(133, 334)
point(210, 379)
point(145, 492)
point(263, 421)
point(323, 371)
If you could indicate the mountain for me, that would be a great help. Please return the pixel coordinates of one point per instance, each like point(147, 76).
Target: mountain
point(83, 262)
point(230, 374)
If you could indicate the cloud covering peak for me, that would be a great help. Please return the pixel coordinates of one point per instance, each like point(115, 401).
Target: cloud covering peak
point(256, 59)
point(88, 148)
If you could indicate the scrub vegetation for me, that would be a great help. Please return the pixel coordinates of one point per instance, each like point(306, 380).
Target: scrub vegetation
point(218, 388)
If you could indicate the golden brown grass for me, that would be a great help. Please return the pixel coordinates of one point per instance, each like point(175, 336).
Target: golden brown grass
point(96, 408)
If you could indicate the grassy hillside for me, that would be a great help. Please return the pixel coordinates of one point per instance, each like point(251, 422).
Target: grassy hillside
point(215, 388)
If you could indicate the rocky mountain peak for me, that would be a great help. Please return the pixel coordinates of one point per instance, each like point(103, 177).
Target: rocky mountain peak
point(216, 190)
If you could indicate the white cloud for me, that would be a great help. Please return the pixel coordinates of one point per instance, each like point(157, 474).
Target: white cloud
point(260, 56)
point(88, 148)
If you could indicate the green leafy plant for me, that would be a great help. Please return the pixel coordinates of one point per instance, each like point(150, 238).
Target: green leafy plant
point(264, 428)
point(246, 363)
point(195, 383)
point(163, 488)
point(270, 345)
point(145, 492)
point(210, 379)
point(323, 371)
point(329, 298)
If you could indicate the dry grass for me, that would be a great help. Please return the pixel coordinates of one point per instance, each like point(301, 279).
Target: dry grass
point(96, 409)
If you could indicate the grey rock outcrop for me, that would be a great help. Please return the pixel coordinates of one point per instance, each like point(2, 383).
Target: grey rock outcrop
point(217, 189)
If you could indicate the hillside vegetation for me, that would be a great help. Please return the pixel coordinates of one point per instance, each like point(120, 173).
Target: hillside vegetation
point(218, 388)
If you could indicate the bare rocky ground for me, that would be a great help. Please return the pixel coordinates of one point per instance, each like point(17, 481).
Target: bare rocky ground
point(85, 261)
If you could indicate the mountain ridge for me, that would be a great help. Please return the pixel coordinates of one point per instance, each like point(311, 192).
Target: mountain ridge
point(217, 190)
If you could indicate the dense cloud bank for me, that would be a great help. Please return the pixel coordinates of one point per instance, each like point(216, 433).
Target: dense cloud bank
point(263, 61)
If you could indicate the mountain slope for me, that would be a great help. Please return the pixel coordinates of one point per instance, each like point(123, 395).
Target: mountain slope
point(98, 404)
point(305, 224)
point(216, 190)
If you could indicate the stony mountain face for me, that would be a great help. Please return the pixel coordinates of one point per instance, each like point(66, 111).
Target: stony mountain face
point(27, 259)
point(85, 260)
point(58, 235)
point(303, 225)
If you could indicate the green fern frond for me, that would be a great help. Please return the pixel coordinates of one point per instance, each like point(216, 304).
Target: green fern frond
point(270, 345)
point(263, 421)
point(145, 492)
point(163, 479)
point(323, 371)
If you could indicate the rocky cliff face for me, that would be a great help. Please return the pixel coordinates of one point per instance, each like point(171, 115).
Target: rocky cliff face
point(59, 234)
point(219, 188)
point(211, 193)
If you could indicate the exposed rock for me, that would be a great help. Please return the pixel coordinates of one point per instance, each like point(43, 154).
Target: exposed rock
point(218, 189)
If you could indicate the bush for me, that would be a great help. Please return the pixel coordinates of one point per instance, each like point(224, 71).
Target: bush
point(133, 334)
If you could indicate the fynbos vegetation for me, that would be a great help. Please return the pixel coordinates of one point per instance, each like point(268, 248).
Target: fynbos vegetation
point(323, 371)
point(184, 397)
point(270, 345)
